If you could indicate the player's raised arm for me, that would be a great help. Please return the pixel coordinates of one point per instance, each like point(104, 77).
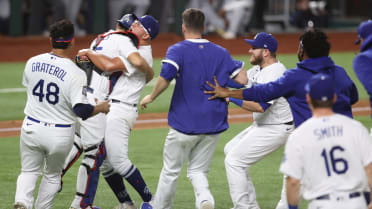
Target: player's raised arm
point(102, 61)
point(140, 64)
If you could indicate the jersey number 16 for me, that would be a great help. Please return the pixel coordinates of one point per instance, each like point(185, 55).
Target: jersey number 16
point(341, 162)
point(51, 95)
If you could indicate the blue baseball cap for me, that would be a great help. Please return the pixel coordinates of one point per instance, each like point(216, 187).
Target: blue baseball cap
point(265, 41)
point(150, 24)
point(364, 30)
point(127, 20)
point(320, 87)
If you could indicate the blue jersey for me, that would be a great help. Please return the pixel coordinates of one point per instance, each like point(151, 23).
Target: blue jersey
point(192, 62)
point(362, 66)
point(291, 86)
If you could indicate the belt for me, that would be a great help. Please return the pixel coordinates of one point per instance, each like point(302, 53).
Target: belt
point(288, 123)
point(49, 124)
point(118, 101)
point(327, 196)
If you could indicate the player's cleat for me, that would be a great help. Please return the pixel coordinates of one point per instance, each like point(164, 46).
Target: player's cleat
point(89, 207)
point(146, 205)
point(126, 205)
point(19, 205)
point(206, 205)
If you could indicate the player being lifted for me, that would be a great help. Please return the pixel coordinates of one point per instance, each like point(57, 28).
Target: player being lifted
point(134, 73)
point(55, 87)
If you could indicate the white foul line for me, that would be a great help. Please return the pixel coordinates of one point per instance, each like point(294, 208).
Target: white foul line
point(163, 120)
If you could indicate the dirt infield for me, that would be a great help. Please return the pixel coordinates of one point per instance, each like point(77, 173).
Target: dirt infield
point(159, 120)
point(20, 49)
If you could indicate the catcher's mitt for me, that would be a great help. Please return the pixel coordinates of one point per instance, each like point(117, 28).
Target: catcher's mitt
point(87, 66)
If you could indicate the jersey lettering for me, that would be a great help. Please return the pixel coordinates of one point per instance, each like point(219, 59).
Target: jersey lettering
point(52, 90)
point(339, 165)
point(49, 69)
point(327, 132)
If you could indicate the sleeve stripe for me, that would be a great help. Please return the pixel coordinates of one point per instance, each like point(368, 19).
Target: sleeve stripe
point(237, 71)
point(172, 63)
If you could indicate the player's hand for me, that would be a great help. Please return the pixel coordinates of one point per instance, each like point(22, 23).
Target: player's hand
point(146, 100)
point(104, 107)
point(218, 90)
point(83, 54)
point(370, 206)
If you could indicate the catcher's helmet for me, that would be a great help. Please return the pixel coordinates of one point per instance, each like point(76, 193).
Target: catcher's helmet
point(127, 20)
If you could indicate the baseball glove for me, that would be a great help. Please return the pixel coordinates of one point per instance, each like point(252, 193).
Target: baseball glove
point(87, 66)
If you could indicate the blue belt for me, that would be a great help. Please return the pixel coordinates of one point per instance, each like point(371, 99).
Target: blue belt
point(49, 124)
point(327, 197)
point(118, 101)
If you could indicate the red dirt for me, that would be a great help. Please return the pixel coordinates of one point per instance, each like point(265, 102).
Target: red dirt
point(20, 49)
point(144, 120)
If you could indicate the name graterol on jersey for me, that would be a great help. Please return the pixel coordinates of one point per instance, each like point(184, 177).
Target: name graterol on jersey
point(329, 131)
point(50, 69)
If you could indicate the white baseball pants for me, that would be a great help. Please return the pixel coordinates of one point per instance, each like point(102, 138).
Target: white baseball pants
point(119, 122)
point(247, 148)
point(179, 147)
point(38, 143)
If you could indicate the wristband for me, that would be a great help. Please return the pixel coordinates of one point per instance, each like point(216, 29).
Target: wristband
point(292, 207)
point(238, 102)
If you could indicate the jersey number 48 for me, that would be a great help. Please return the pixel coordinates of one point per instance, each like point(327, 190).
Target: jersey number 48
point(338, 165)
point(51, 95)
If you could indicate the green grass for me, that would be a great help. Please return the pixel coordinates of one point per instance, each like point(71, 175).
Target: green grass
point(13, 103)
point(146, 153)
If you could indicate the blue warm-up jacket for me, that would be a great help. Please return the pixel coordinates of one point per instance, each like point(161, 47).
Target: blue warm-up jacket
point(292, 86)
point(363, 66)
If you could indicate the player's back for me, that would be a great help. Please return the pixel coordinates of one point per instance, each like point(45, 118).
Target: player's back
point(199, 61)
point(335, 151)
point(54, 84)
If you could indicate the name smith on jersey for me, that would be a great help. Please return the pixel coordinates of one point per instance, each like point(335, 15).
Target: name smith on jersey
point(50, 69)
point(329, 131)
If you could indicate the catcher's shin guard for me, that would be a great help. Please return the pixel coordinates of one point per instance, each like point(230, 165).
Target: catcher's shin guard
point(74, 154)
point(88, 176)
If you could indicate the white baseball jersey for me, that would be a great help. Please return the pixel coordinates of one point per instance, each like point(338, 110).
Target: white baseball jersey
point(129, 86)
point(328, 155)
point(279, 112)
point(54, 85)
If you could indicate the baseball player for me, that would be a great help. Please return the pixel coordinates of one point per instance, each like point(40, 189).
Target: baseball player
point(313, 53)
point(330, 154)
point(195, 122)
point(55, 95)
point(362, 61)
point(89, 137)
point(124, 99)
point(273, 122)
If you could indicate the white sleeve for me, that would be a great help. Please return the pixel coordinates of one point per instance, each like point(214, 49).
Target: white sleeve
point(125, 46)
point(24, 78)
point(365, 146)
point(77, 90)
point(292, 163)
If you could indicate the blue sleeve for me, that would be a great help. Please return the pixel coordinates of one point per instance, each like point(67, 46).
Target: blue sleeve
point(264, 105)
point(362, 68)
point(232, 84)
point(236, 101)
point(168, 71)
point(273, 90)
point(83, 111)
point(172, 62)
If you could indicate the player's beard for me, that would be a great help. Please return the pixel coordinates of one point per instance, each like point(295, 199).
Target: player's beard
point(257, 60)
